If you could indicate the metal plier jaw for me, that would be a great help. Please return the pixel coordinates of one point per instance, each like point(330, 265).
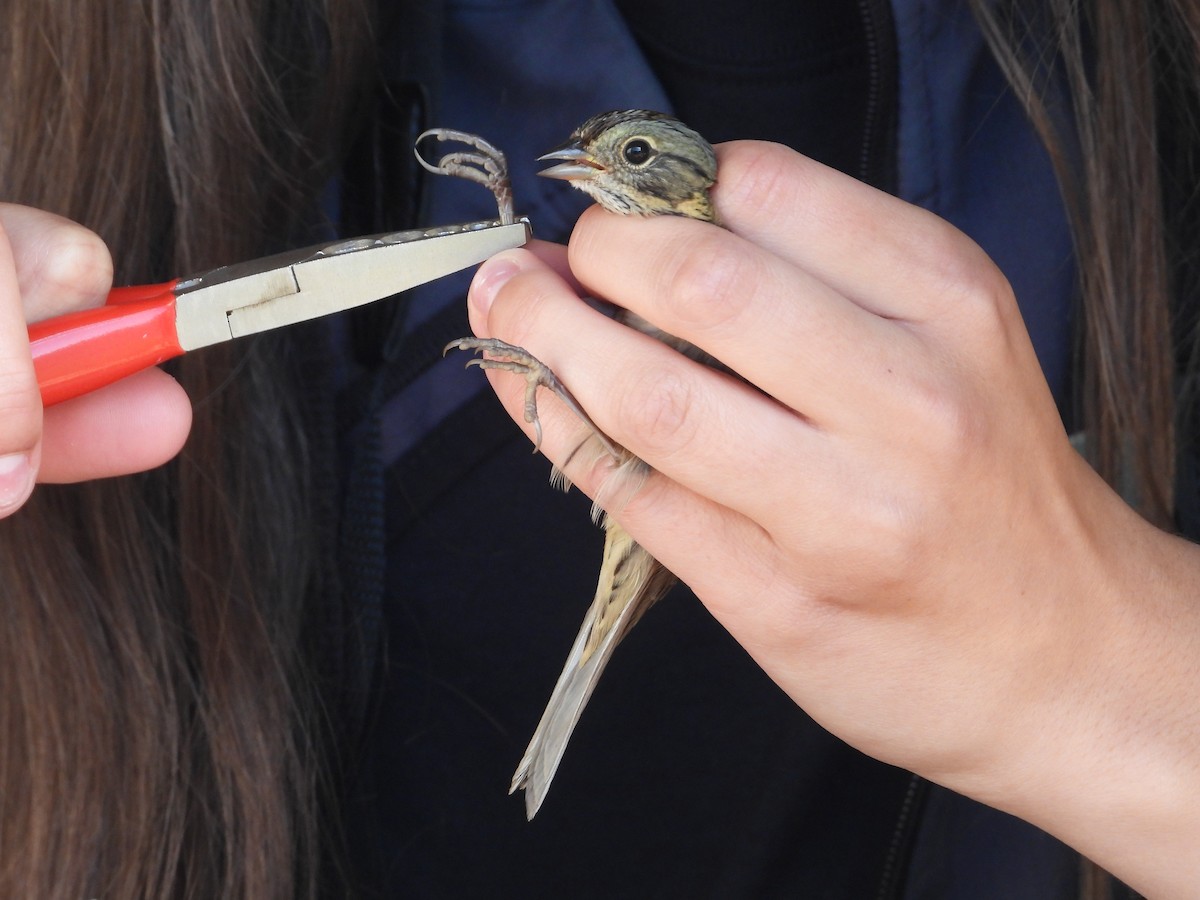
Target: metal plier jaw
point(296, 286)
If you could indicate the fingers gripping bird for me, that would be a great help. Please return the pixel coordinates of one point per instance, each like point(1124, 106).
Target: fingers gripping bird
point(632, 162)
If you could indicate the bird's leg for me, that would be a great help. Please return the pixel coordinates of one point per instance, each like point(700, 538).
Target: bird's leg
point(486, 165)
point(511, 358)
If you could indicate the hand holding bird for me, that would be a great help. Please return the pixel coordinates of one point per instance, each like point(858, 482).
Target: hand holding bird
point(885, 510)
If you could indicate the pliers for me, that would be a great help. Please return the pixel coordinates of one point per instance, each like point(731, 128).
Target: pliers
point(145, 325)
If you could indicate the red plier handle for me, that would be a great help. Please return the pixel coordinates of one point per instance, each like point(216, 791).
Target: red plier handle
point(83, 351)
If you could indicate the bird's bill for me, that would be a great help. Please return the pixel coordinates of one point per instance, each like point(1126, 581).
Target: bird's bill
point(574, 163)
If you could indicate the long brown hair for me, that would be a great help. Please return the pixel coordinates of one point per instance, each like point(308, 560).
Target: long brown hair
point(157, 731)
point(1126, 148)
point(1123, 147)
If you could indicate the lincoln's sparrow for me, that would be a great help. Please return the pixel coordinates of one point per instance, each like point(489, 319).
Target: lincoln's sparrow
point(633, 162)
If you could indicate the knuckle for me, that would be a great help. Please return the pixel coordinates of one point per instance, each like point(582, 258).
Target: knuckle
point(891, 542)
point(969, 284)
point(753, 173)
point(901, 514)
point(657, 409)
point(880, 548)
point(73, 266)
point(710, 282)
point(951, 429)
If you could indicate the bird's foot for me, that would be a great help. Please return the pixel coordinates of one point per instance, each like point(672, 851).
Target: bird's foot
point(510, 358)
point(484, 165)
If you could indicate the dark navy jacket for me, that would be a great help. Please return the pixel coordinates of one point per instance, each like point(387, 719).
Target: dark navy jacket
point(466, 577)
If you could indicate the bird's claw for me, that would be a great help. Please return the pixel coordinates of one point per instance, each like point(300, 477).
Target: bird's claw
point(484, 165)
point(511, 358)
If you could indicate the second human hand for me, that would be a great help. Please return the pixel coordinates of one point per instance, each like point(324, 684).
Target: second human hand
point(50, 266)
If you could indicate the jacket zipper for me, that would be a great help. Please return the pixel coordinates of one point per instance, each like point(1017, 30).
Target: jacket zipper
point(876, 163)
point(895, 867)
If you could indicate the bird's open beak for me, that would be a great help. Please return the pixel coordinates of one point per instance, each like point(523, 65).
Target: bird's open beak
point(574, 163)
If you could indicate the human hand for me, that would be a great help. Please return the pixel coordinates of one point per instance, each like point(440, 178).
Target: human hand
point(893, 524)
point(50, 266)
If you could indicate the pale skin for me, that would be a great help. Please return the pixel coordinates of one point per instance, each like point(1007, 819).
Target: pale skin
point(896, 528)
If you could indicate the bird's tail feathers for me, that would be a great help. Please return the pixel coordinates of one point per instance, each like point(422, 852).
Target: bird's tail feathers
point(593, 648)
point(571, 694)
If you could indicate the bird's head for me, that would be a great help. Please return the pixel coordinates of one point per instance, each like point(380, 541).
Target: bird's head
point(639, 162)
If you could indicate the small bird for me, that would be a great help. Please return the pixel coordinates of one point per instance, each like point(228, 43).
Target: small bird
point(639, 162)
point(632, 162)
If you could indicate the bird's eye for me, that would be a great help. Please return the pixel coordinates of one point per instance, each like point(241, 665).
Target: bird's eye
point(637, 151)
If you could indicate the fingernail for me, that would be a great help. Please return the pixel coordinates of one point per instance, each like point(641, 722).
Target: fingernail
point(492, 275)
point(16, 479)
